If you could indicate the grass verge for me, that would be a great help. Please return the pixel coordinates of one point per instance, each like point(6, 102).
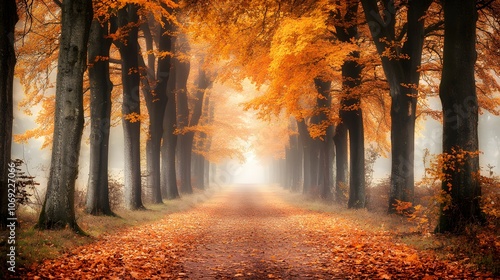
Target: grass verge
point(34, 246)
point(479, 248)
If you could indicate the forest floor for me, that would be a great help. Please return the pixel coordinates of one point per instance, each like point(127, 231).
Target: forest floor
point(251, 232)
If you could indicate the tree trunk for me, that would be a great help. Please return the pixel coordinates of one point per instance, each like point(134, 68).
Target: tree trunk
point(295, 162)
point(58, 208)
point(100, 115)
point(8, 20)
point(169, 145)
point(352, 115)
point(341, 165)
point(199, 171)
point(350, 111)
point(182, 74)
point(131, 108)
point(156, 101)
point(324, 100)
point(304, 137)
point(460, 110)
point(400, 73)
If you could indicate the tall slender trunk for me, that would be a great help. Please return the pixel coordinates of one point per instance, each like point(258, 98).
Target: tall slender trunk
point(100, 115)
point(129, 53)
point(341, 165)
point(353, 118)
point(294, 161)
point(306, 148)
point(350, 111)
point(58, 208)
point(324, 100)
point(185, 142)
point(460, 110)
point(169, 177)
point(156, 102)
point(188, 137)
point(8, 20)
point(203, 137)
point(199, 171)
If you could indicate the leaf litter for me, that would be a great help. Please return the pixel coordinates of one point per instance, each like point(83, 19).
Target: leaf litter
point(249, 233)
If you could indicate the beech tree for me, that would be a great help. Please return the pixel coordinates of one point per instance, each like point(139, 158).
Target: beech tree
point(58, 207)
point(100, 117)
point(8, 20)
point(460, 119)
point(155, 92)
point(351, 113)
point(401, 67)
point(127, 20)
point(182, 68)
point(169, 143)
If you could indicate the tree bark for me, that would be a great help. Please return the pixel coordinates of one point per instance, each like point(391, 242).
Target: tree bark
point(341, 165)
point(305, 139)
point(352, 115)
point(129, 53)
point(100, 115)
point(324, 100)
point(156, 101)
point(184, 144)
point(203, 83)
point(350, 111)
point(199, 170)
point(8, 20)
point(460, 110)
point(58, 207)
point(294, 159)
point(187, 138)
point(400, 73)
point(169, 177)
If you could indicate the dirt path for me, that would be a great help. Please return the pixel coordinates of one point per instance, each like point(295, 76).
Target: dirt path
point(248, 233)
point(253, 235)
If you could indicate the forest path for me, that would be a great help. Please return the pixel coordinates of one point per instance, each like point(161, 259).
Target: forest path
point(255, 235)
point(248, 232)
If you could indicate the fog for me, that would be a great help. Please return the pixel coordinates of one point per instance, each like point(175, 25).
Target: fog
point(253, 170)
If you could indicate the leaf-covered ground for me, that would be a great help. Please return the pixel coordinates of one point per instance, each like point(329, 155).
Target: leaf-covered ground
point(249, 233)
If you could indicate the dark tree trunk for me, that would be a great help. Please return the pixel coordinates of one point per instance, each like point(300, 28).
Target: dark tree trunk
point(187, 138)
point(8, 20)
point(185, 142)
point(156, 101)
point(169, 177)
point(288, 166)
point(352, 115)
point(208, 142)
point(294, 161)
point(460, 110)
point(199, 171)
point(131, 108)
point(400, 73)
point(341, 165)
point(324, 100)
point(331, 158)
point(306, 143)
point(202, 85)
point(100, 115)
point(58, 208)
point(350, 111)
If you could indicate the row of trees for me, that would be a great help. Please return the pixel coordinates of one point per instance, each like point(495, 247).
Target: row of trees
point(324, 70)
point(138, 49)
point(329, 63)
